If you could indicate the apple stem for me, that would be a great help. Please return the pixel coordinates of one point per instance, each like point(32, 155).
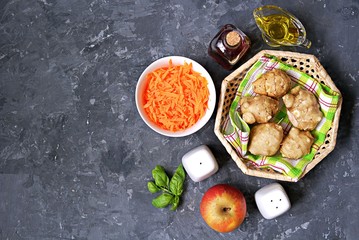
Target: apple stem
point(226, 209)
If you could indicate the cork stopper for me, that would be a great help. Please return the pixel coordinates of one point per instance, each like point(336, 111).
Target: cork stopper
point(233, 38)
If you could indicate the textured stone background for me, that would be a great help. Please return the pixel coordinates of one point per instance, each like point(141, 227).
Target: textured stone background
point(75, 155)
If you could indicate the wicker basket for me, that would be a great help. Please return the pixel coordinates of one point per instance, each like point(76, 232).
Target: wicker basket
point(305, 63)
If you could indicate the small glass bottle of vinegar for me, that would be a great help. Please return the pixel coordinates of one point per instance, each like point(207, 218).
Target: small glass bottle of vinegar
point(228, 46)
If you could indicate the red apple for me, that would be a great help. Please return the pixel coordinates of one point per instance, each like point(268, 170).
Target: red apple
point(223, 208)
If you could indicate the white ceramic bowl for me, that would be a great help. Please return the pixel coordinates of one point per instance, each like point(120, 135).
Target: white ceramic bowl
point(176, 60)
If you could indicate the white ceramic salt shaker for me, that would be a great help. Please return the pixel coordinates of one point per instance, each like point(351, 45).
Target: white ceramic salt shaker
point(200, 163)
point(272, 200)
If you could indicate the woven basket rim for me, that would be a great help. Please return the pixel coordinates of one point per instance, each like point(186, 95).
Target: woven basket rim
point(323, 77)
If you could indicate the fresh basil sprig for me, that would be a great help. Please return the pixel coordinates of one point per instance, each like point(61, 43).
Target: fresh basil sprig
point(171, 188)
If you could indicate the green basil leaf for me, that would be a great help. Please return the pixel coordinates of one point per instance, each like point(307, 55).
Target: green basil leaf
point(176, 183)
point(175, 203)
point(160, 176)
point(152, 187)
point(180, 171)
point(162, 200)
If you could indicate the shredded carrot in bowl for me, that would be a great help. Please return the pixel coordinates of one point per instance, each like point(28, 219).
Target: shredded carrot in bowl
point(176, 97)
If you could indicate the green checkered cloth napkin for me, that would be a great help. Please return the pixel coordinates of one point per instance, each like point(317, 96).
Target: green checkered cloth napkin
point(236, 131)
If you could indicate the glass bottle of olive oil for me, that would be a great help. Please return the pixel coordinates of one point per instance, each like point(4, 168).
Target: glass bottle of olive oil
point(280, 28)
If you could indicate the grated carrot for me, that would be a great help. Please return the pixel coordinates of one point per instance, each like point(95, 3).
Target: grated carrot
point(176, 97)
